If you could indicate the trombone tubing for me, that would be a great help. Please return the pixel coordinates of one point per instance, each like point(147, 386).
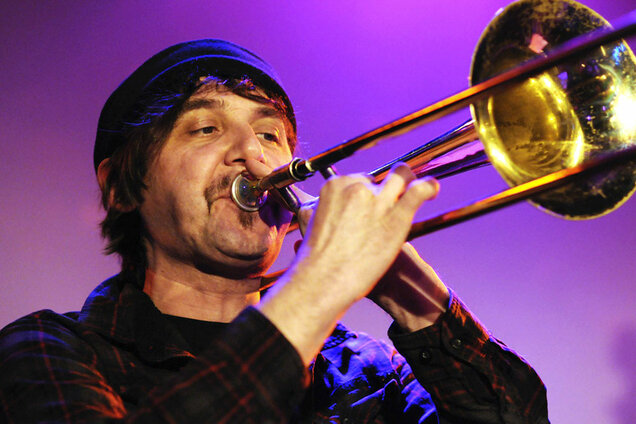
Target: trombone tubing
point(522, 192)
point(505, 198)
point(299, 169)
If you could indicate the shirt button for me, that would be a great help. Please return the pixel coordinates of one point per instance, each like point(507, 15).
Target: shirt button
point(456, 343)
point(426, 356)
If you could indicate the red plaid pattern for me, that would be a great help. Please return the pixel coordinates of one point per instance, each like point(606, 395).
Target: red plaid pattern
point(121, 360)
point(471, 376)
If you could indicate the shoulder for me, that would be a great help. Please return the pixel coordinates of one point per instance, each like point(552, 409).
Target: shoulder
point(37, 330)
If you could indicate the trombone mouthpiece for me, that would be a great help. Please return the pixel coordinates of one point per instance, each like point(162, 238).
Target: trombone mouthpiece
point(246, 195)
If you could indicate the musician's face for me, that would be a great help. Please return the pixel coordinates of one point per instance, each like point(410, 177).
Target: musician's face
point(187, 209)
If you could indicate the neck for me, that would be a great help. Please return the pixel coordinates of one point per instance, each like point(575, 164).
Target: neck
point(201, 296)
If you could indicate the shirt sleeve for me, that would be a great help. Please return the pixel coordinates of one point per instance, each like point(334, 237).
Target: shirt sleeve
point(47, 374)
point(471, 376)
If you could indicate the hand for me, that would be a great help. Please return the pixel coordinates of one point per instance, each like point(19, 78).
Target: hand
point(353, 237)
point(359, 227)
point(411, 292)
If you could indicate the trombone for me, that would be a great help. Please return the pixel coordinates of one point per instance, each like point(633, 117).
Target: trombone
point(553, 100)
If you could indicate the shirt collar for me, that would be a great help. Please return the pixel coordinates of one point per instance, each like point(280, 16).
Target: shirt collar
point(119, 310)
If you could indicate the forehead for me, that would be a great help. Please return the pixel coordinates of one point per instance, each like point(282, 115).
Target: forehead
point(213, 96)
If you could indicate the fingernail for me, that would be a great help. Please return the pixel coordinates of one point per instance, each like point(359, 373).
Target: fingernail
point(433, 185)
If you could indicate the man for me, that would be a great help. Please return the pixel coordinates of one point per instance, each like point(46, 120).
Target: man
point(182, 334)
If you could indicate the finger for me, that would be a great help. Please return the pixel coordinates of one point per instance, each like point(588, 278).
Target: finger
point(304, 217)
point(304, 214)
point(394, 185)
point(257, 168)
point(404, 171)
point(350, 186)
point(418, 192)
point(303, 196)
point(350, 179)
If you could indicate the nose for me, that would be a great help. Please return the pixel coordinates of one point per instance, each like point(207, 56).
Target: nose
point(245, 145)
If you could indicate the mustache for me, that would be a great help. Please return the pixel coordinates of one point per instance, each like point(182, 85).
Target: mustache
point(220, 188)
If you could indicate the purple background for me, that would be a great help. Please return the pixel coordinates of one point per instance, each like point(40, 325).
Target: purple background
point(559, 292)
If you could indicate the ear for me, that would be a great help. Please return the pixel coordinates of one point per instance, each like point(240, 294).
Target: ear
point(103, 170)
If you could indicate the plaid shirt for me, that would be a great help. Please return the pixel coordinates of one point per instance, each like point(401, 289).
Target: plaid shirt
point(121, 360)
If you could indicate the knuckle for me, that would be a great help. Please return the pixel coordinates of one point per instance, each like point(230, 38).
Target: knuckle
point(392, 177)
point(332, 184)
point(425, 189)
point(404, 171)
point(305, 215)
point(419, 189)
point(358, 190)
point(345, 183)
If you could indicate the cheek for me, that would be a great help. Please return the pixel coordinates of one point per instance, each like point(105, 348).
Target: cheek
point(175, 187)
point(189, 171)
point(277, 156)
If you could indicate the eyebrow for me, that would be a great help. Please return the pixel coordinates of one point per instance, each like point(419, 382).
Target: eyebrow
point(194, 104)
point(263, 111)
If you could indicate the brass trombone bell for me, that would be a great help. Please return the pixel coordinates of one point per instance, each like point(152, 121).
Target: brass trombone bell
point(560, 118)
point(552, 88)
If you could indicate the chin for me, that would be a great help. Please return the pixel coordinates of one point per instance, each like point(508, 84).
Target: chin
point(245, 243)
point(239, 253)
point(237, 264)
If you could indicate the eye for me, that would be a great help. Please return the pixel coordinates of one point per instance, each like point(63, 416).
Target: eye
point(205, 130)
point(269, 137)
